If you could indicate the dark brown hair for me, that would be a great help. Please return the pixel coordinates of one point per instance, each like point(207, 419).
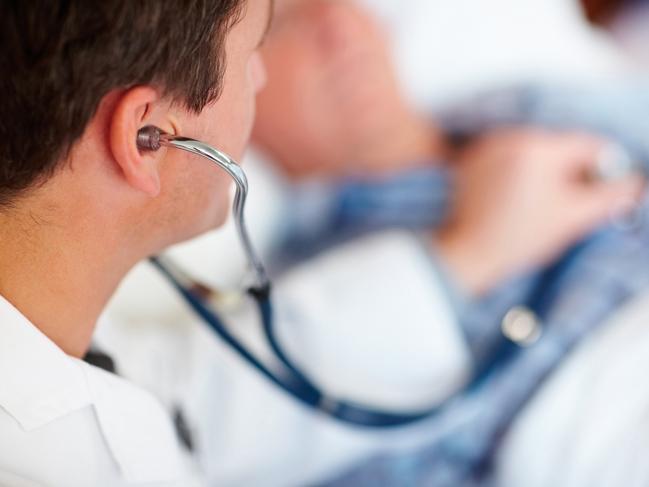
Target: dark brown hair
point(59, 58)
point(602, 11)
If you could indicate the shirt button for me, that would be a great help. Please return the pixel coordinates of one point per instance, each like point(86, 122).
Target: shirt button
point(522, 326)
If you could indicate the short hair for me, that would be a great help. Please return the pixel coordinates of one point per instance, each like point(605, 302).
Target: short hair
point(59, 58)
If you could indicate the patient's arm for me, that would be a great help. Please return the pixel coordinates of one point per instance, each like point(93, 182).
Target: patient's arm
point(521, 199)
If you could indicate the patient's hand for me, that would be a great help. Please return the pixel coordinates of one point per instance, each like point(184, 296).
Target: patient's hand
point(522, 198)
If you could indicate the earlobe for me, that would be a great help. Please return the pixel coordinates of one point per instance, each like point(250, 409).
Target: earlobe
point(133, 111)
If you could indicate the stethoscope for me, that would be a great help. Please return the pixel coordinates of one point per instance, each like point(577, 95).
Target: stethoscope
point(292, 380)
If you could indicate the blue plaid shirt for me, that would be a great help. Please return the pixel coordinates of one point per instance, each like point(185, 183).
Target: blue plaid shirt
point(595, 281)
point(600, 279)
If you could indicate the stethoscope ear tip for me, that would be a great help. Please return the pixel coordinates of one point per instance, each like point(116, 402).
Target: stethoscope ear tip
point(148, 138)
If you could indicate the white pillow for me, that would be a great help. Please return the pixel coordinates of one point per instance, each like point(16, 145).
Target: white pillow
point(446, 49)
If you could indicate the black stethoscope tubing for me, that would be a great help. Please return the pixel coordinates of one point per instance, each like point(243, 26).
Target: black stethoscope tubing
point(297, 384)
point(293, 381)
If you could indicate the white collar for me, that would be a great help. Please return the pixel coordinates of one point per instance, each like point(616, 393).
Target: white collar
point(41, 383)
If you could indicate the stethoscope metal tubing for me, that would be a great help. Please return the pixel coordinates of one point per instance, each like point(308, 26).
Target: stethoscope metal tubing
point(152, 138)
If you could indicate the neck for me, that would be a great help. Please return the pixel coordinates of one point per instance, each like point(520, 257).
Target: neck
point(59, 268)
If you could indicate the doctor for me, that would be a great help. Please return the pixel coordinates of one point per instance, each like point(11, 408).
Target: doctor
point(80, 205)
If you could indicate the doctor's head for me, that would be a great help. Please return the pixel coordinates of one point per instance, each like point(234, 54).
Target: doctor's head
point(81, 78)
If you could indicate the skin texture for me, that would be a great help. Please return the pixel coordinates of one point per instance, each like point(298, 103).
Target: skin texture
point(333, 105)
point(65, 248)
point(521, 199)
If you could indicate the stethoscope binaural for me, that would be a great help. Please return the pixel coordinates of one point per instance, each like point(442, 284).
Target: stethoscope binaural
point(292, 380)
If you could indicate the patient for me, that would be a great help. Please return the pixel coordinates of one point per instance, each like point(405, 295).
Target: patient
point(333, 110)
point(347, 118)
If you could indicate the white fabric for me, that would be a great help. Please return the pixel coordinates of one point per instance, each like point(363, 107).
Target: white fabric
point(448, 49)
point(369, 321)
point(589, 425)
point(65, 423)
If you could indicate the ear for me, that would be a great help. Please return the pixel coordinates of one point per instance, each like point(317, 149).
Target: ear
point(134, 110)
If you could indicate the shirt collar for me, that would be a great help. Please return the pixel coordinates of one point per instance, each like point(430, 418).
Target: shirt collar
point(40, 382)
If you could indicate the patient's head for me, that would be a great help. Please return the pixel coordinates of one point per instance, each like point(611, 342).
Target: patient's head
point(332, 103)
